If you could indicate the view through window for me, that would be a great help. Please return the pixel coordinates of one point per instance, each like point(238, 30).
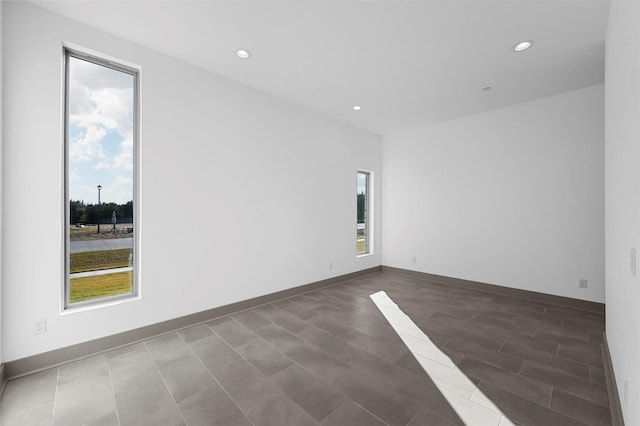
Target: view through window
point(362, 223)
point(101, 116)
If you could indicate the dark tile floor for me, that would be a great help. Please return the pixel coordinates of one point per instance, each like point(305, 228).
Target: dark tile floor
point(330, 357)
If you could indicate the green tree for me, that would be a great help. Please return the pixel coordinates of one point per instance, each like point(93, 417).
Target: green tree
point(362, 206)
point(79, 212)
point(76, 211)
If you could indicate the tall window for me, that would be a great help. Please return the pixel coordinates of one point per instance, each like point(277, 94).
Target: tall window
point(101, 141)
point(363, 222)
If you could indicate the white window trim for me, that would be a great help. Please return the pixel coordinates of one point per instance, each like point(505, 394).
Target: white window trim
point(66, 307)
point(370, 217)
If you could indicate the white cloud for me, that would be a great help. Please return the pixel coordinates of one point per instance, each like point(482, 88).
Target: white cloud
point(124, 160)
point(79, 190)
point(101, 102)
point(123, 181)
point(88, 146)
point(101, 122)
point(121, 190)
point(74, 178)
point(110, 108)
point(83, 192)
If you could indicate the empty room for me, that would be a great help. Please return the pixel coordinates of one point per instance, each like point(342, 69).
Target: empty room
point(336, 213)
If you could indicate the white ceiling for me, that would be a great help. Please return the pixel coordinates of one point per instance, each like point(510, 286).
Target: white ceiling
point(408, 63)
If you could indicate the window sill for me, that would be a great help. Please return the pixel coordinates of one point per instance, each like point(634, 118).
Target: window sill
point(98, 305)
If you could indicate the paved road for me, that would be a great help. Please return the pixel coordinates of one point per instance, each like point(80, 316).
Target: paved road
point(100, 272)
point(110, 244)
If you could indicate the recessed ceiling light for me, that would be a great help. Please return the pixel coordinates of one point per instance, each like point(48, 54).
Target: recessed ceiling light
point(357, 107)
point(523, 45)
point(243, 54)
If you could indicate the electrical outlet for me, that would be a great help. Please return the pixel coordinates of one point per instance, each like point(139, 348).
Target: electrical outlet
point(40, 326)
point(413, 260)
point(633, 262)
point(582, 283)
point(330, 265)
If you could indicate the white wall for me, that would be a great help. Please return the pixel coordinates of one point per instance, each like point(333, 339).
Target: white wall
point(1, 166)
point(622, 165)
point(276, 182)
point(513, 197)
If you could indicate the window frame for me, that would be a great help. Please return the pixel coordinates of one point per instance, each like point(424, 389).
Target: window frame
point(72, 51)
point(368, 213)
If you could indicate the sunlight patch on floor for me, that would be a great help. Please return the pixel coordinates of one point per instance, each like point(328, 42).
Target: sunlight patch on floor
point(471, 405)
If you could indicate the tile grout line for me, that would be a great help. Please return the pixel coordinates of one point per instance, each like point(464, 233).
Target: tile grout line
point(475, 386)
point(412, 418)
point(216, 379)
point(504, 342)
point(143, 340)
point(113, 392)
point(345, 303)
point(242, 357)
point(347, 398)
point(577, 396)
point(330, 385)
point(475, 390)
point(338, 338)
point(228, 343)
point(582, 397)
point(155, 364)
point(55, 397)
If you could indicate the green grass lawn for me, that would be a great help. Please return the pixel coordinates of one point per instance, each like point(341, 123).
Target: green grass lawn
point(98, 260)
point(98, 286)
point(90, 232)
point(361, 246)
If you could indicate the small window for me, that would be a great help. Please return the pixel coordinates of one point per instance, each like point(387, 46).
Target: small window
point(363, 222)
point(101, 154)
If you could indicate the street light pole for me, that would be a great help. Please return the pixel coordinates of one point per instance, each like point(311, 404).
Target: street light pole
point(98, 210)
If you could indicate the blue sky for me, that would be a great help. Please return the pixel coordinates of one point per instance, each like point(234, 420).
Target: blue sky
point(361, 182)
point(100, 133)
